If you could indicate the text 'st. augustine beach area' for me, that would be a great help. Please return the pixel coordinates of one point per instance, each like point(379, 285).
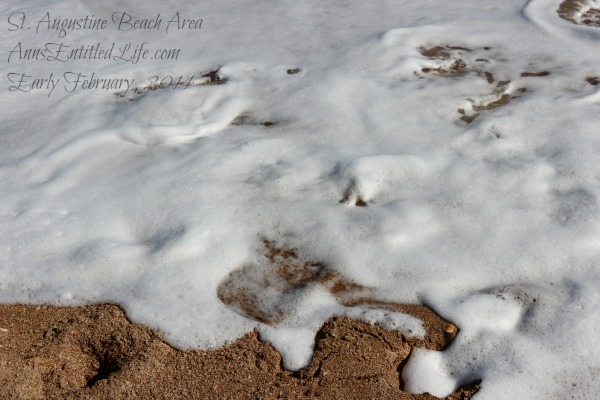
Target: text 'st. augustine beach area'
point(300, 199)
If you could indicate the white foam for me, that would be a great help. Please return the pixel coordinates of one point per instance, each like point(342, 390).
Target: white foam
point(151, 203)
point(425, 373)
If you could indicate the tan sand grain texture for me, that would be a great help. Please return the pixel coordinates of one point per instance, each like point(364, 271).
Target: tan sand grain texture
point(94, 352)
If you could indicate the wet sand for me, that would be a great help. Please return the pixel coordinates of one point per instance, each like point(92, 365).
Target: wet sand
point(95, 352)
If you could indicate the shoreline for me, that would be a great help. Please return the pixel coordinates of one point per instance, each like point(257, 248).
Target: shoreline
point(95, 352)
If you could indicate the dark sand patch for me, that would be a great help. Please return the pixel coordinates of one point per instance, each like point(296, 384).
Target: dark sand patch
point(443, 52)
point(538, 74)
point(248, 119)
point(579, 12)
point(262, 290)
point(461, 62)
point(94, 352)
point(355, 199)
point(450, 56)
point(455, 61)
point(458, 61)
point(501, 97)
point(467, 118)
point(212, 77)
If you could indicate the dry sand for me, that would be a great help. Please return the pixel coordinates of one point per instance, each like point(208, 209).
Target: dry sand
point(94, 352)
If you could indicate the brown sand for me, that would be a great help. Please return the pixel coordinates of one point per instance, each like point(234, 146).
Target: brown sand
point(94, 352)
point(569, 9)
point(259, 290)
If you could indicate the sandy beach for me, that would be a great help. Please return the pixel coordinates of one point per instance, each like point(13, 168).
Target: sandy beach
point(94, 352)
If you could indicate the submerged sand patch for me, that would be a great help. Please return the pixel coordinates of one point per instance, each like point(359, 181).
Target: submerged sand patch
point(263, 290)
point(580, 12)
